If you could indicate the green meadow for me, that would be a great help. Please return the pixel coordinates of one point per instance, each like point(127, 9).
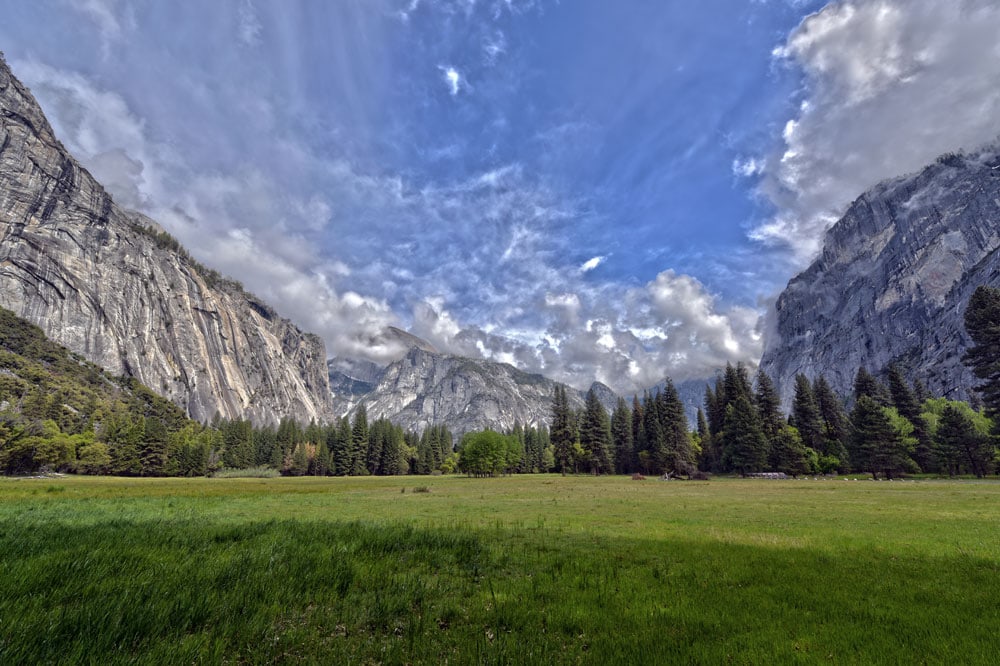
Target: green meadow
point(517, 570)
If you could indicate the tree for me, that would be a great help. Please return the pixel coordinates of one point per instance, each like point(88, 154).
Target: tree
point(904, 399)
point(595, 435)
point(744, 447)
point(768, 406)
point(562, 431)
point(961, 437)
point(788, 453)
point(676, 455)
point(621, 436)
point(866, 385)
point(982, 323)
point(836, 429)
point(359, 442)
point(806, 415)
point(877, 445)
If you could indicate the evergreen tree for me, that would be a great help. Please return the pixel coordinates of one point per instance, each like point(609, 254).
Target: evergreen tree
point(788, 453)
point(768, 407)
point(595, 435)
point(562, 431)
point(982, 323)
point(865, 384)
point(905, 401)
point(677, 454)
point(153, 447)
point(806, 415)
point(359, 442)
point(876, 443)
point(744, 448)
point(836, 429)
point(621, 437)
point(338, 440)
point(959, 444)
point(321, 464)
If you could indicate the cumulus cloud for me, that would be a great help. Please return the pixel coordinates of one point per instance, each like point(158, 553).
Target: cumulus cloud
point(890, 85)
point(591, 264)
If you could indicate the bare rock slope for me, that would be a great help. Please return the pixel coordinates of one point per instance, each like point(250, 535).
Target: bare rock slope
point(893, 281)
point(110, 286)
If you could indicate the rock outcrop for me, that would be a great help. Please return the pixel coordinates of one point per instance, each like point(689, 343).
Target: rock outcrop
point(109, 285)
point(893, 281)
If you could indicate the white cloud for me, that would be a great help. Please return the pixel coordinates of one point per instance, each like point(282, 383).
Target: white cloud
point(591, 264)
point(890, 85)
point(452, 78)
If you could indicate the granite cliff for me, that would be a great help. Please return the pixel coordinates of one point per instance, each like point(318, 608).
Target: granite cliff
point(111, 286)
point(893, 281)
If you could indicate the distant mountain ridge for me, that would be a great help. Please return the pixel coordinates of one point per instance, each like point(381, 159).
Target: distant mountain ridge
point(426, 388)
point(110, 285)
point(893, 281)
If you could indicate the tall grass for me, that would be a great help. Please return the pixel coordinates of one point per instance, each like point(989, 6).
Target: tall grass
point(264, 571)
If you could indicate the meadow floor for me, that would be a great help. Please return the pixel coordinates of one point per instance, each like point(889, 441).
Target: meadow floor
point(518, 570)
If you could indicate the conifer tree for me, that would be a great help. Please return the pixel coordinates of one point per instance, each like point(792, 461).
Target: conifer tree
point(788, 453)
point(866, 385)
point(836, 429)
point(621, 437)
point(959, 445)
point(744, 448)
point(359, 442)
point(768, 406)
point(595, 435)
point(562, 431)
point(876, 444)
point(806, 415)
point(677, 454)
point(905, 401)
point(982, 323)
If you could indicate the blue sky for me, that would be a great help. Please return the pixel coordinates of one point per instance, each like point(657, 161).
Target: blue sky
point(590, 189)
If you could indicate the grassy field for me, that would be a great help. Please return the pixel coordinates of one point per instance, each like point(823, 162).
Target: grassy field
point(532, 569)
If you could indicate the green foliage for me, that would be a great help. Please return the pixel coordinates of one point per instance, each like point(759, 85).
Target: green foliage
point(488, 453)
point(595, 436)
point(563, 431)
point(982, 323)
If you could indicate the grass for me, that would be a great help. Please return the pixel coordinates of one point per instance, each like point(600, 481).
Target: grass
point(533, 569)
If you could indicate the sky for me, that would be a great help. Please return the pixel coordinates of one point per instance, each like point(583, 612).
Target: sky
point(610, 191)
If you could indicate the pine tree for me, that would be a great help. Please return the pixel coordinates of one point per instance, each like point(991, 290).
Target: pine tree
point(836, 429)
point(876, 444)
point(866, 385)
point(621, 437)
point(359, 442)
point(982, 323)
point(562, 431)
point(788, 453)
point(744, 448)
point(595, 435)
point(958, 444)
point(905, 401)
point(768, 406)
point(806, 415)
point(678, 456)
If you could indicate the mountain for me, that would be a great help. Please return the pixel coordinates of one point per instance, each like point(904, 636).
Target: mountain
point(426, 387)
point(111, 286)
point(893, 281)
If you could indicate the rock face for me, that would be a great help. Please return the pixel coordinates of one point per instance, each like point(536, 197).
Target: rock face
point(428, 388)
point(110, 286)
point(893, 281)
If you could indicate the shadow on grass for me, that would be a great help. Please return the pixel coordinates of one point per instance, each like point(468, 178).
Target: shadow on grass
point(185, 591)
